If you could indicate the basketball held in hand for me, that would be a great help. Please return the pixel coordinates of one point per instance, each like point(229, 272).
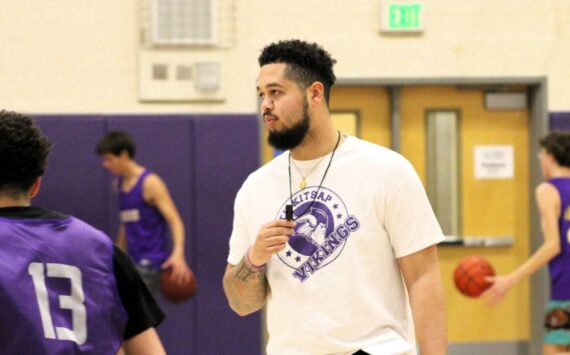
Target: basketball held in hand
point(174, 291)
point(470, 274)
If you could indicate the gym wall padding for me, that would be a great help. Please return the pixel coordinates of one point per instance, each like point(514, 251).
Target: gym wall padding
point(225, 154)
point(203, 160)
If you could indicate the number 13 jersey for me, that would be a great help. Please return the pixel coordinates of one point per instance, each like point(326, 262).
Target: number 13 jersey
point(58, 292)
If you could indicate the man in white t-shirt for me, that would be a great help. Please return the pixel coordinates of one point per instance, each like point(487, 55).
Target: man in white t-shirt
point(361, 234)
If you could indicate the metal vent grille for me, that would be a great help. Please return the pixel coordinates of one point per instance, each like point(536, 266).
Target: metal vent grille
point(184, 22)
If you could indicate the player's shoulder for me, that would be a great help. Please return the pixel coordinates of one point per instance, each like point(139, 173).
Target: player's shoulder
point(152, 179)
point(546, 191)
point(153, 184)
point(547, 198)
point(87, 231)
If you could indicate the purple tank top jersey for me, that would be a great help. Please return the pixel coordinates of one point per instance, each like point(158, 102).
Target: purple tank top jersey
point(559, 267)
point(145, 227)
point(58, 293)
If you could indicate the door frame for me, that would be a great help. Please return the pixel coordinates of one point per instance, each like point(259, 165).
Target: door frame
point(538, 126)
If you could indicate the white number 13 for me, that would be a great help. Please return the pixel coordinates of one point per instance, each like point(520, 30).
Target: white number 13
point(74, 302)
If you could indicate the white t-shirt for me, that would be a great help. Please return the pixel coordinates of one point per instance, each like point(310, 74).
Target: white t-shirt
point(337, 287)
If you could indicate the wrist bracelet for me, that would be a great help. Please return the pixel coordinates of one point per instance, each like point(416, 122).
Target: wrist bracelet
point(251, 265)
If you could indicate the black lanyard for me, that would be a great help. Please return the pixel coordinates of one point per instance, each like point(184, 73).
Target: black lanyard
point(289, 207)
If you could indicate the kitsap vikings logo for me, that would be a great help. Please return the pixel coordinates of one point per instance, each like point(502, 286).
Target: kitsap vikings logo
point(322, 230)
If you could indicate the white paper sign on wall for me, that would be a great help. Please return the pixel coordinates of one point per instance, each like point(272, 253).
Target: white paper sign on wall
point(494, 162)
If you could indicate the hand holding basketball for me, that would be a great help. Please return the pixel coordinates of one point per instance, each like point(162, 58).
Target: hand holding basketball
point(176, 263)
point(271, 238)
point(471, 275)
point(499, 289)
point(175, 291)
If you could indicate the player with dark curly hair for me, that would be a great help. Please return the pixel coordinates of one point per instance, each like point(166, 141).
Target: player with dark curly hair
point(330, 234)
point(64, 288)
point(553, 200)
point(23, 157)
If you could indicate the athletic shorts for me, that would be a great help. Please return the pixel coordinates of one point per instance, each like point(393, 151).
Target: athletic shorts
point(557, 336)
point(150, 276)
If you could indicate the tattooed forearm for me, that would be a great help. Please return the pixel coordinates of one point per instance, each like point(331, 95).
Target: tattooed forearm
point(243, 272)
point(245, 288)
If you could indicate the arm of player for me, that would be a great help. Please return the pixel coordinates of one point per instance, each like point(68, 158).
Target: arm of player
point(422, 277)
point(548, 201)
point(156, 193)
point(142, 311)
point(122, 238)
point(245, 284)
point(145, 343)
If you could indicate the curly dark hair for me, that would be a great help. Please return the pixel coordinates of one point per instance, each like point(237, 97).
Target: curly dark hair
point(23, 153)
point(557, 144)
point(306, 63)
point(115, 142)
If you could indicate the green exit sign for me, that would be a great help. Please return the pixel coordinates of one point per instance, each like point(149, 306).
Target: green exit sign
point(403, 17)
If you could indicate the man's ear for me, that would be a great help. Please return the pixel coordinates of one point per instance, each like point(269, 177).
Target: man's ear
point(316, 93)
point(35, 189)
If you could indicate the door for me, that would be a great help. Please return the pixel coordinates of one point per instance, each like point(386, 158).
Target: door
point(490, 202)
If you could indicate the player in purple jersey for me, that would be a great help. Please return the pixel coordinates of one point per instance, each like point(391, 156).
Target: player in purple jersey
point(64, 287)
point(146, 212)
point(553, 199)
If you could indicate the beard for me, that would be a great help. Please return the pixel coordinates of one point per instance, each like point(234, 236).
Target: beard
point(291, 137)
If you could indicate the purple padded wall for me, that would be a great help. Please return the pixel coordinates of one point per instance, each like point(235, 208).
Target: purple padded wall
point(74, 182)
point(164, 146)
point(226, 151)
point(560, 121)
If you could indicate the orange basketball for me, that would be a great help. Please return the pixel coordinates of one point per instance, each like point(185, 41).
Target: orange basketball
point(175, 292)
point(470, 273)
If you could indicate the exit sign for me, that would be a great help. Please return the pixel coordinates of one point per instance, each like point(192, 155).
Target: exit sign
point(403, 17)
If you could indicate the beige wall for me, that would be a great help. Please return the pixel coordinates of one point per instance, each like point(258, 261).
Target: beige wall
point(82, 55)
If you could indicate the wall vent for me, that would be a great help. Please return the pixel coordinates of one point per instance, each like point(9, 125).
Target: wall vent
point(184, 22)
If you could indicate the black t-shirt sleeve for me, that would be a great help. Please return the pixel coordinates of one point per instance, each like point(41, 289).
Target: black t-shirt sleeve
point(143, 311)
